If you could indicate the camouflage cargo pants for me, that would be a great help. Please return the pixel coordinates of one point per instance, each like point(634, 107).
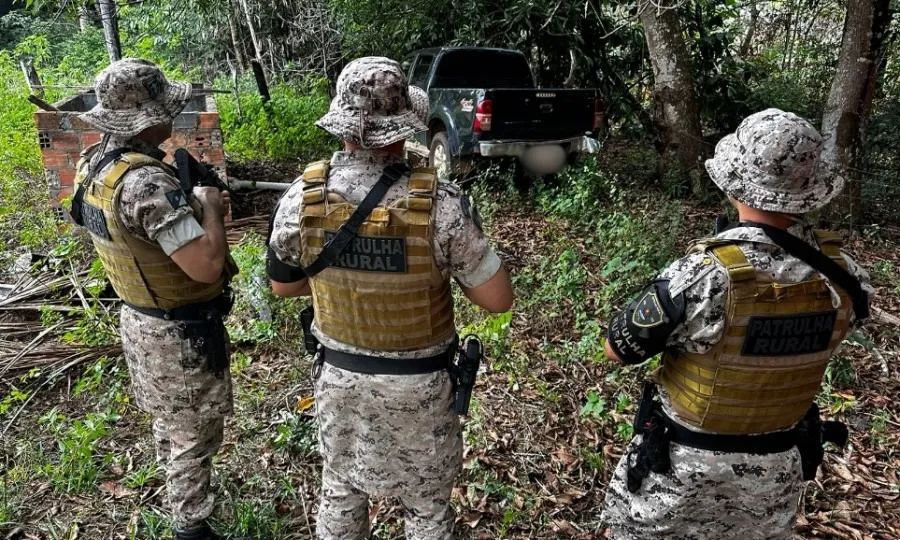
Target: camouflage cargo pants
point(386, 435)
point(185, 449)
point(170, 380)
point(706, 495)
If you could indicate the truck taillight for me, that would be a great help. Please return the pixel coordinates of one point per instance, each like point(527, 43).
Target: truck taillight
point(598, 114)
point(483, 114)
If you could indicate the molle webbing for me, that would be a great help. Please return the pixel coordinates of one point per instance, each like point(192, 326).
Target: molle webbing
point(386, 293)
point(734, 390)
point(141, 273)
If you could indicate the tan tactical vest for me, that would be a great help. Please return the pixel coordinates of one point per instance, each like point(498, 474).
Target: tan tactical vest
point(386, 292)
point(763, 375)
point(141, 273)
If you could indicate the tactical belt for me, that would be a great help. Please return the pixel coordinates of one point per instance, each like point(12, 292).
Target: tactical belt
point(373, 365)
point(766, 443)
point(658, 430)
point(191, 312)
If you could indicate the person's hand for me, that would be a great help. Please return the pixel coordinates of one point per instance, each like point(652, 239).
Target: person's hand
point(210, 197)
point(226, 203)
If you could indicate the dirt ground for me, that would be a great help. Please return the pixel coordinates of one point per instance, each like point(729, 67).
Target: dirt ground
point(548, 424)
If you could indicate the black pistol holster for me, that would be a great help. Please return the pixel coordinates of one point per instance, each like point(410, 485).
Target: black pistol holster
point(652, 454)
point(812, 434)
point(310, 342)
point(464, 371)
point(208, 337)
point(205, 328)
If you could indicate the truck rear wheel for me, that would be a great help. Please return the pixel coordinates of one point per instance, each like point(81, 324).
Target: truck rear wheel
point(439, 155)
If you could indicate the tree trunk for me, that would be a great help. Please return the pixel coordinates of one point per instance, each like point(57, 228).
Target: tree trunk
point(86, 15)
point(109, 16)
point(256, 48)
point(850, 101)
point(235, 40)
point(674, 104)
point(747, 43)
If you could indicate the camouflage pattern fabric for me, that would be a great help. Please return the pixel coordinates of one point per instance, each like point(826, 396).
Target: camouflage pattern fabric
point(387, 435)
point(146, 202)
point(714, 494)
point(772, 163)
point(372, 107)
point(419, 100)
point(708, 495)
point(168, 376)
point(185, 447)
point(461, 249)
point(132, 95)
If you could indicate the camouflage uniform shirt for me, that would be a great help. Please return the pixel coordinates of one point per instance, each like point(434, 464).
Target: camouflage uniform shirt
point(710, 494)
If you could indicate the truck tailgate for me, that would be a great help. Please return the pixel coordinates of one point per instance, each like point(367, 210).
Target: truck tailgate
point(530, 114)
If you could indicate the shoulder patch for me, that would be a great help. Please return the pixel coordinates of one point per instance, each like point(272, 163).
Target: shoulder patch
point(648, 312)
point(470, 211)
point(176, 198)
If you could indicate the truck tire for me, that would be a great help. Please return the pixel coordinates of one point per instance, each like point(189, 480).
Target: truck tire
point(439, 155)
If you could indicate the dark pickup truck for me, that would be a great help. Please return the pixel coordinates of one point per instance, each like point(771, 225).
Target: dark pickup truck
point(484, 105)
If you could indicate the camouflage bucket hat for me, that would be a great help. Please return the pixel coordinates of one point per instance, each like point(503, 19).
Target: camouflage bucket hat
point(372, 107)
point(771, 162)
point(419, 99)
point(132, 95)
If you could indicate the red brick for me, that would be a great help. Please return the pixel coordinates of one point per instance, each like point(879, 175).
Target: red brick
point(78, 124)
point(46, 120)
point(56, 160)
point(63, 193)
point(179, 139)
point(214, 156)
point(88, 138)
point(67, 177)
point(208, 120)
point(65, 140)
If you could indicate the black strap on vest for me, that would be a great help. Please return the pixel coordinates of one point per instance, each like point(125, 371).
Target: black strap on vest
point(333, 249)
point(78, 199)
point(820, 262)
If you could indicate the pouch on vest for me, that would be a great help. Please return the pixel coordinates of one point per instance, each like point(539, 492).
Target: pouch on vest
point(385, 291)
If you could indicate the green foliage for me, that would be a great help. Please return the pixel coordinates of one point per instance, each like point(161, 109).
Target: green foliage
point(13, 397)
point(258, 316)
point(282, 129)
point(296, 435)
point(142, 476)
point(595, 406)
point(493, 331)
point(252, 519)
point(24, 214)
point(77, 467)
point(639, 245)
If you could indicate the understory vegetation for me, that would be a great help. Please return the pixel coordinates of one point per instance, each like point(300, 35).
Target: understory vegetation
point(551, 414)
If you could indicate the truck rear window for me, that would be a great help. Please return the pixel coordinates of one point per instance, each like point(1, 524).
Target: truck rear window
point(482, 69)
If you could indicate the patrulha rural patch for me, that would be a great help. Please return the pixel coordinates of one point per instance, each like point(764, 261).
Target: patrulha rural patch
point(373, 253)
point(789, 334)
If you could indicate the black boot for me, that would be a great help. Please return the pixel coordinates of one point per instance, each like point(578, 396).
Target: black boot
point(200, 533)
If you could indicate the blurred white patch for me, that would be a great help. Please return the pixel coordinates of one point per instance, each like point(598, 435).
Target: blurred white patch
point(544, 159)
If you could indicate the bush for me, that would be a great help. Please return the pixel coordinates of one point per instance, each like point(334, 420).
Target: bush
point(25, 214)
point(282, 129)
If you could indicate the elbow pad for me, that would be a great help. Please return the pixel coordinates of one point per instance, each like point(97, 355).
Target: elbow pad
point(641, 330)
